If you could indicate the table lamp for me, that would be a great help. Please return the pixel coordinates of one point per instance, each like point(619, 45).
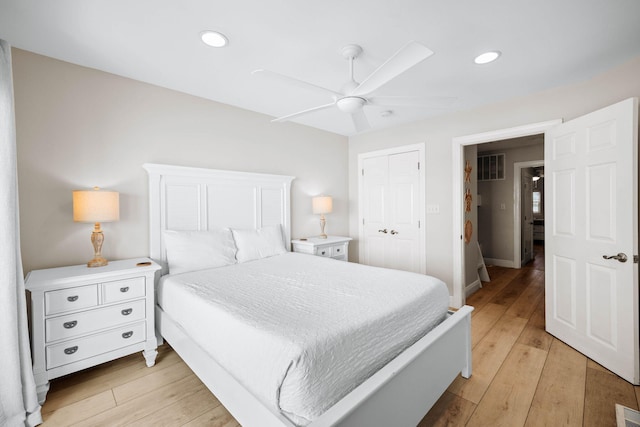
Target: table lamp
point(322, 205)
point(96, 206)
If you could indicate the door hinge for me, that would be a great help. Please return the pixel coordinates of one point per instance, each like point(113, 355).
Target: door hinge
point(362, 172)
point(418, 165)
point(362, 221)
point(418, 223)
point(636, 258)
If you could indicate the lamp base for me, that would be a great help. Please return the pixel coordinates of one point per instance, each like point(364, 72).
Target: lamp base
point(97, 238)
point(97, 262)
point(323, 222)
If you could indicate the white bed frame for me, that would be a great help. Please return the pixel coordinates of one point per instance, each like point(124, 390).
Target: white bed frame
point(399, 394)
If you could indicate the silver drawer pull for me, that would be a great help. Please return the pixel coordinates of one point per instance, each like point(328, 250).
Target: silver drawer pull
point(127, 311)
point(126, 335)
point(125, 289)
point(71, 350)
point(72, 298)
point(69, 325)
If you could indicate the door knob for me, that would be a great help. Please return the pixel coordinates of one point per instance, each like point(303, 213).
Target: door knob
point(620, 257)
point(383, 231)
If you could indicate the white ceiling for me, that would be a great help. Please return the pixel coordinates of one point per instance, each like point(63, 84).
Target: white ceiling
point(545, 43)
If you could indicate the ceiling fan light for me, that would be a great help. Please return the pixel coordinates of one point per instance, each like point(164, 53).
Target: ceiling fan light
point(214, 38)
point(350, 104)
point(487, 57)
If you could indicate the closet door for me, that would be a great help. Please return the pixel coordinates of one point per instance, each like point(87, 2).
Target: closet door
point(391, 186)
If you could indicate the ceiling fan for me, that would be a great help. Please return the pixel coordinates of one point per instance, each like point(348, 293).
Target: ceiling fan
point(353, 96)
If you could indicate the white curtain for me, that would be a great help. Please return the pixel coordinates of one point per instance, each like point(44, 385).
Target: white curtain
point(18, 400)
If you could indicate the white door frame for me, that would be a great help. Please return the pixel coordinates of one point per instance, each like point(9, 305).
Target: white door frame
point(517, 211)
point(459, 297)
point(420, 148)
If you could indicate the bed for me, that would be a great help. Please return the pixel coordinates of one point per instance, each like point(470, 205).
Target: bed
point(398, 392)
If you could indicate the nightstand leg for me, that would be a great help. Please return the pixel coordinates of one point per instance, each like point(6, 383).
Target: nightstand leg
point(150, 356)
point(42, 390)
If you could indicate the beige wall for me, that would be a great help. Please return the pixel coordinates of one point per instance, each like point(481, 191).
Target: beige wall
point(495, 225)
point(566, 102)
point(78, 127)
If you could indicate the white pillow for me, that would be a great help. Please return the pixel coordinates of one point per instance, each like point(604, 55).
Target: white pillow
point(198, 250)
point(257, 244)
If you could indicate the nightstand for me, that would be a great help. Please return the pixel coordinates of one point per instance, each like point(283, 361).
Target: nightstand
point(82, 316)
point(335, 247)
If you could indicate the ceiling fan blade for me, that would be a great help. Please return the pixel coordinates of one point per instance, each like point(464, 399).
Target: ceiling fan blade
point(293, 81)
point(407, 57)
point(360, 121)
point(413, 101)
point(300, 113)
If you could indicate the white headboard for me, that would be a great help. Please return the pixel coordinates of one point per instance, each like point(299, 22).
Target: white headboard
point(185, 198)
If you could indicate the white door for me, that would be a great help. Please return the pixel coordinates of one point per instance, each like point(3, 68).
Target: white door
point(592, 213)
point(526, 192)
point(391, 211)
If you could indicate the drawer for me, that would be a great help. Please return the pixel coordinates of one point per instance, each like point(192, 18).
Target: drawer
point(339, 250)
point(120, 290)
point(324, 251)
point(73, 325)
point(70, 299)
point(94, 345)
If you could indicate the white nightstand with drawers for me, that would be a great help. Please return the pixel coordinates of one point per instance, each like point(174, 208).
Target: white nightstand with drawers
point(335, 247)
point(82, 316)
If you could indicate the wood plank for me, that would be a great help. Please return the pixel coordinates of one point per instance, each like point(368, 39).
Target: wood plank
point(559, 399)
point(449, 410)
point(602, 391)
point(217, 417)
point(527, 302)
point(148, 383)
point(508, 399)
point(88, 383)
point(482, 322)
point(534, 334)
point(488, 356)
point(490, 289)
point(182, 411)
point(80, 411)
point(130, 412)
point(509, 294)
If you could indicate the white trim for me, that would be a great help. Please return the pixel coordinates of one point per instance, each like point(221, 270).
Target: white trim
point(458, 158)
point(477, 284)
point(420, 148)
point(507, 263)
point(517, 211)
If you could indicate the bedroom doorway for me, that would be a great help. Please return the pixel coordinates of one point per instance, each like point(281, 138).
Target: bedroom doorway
point(591, 240)
point(459, 144)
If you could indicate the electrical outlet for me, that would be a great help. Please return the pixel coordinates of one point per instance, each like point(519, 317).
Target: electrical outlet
point(433, 209)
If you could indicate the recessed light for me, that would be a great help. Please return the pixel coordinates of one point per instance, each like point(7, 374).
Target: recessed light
point(214, 38)
point(487, 57)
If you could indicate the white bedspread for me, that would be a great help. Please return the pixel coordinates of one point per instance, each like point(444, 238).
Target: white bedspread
point(302, 331)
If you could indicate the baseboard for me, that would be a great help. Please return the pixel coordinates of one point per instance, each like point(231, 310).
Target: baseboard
point(472, 287)
point(508, 263)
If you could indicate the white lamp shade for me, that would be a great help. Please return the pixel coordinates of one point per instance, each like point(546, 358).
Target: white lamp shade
point(96, 205)
point(322, 204)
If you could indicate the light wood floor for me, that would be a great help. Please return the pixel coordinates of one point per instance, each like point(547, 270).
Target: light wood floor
point(522, 376)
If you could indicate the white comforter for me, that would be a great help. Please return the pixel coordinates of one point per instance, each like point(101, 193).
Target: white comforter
point(302, 331)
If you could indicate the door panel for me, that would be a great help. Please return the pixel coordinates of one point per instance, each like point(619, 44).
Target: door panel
point(390, 197)
point(592, 205)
